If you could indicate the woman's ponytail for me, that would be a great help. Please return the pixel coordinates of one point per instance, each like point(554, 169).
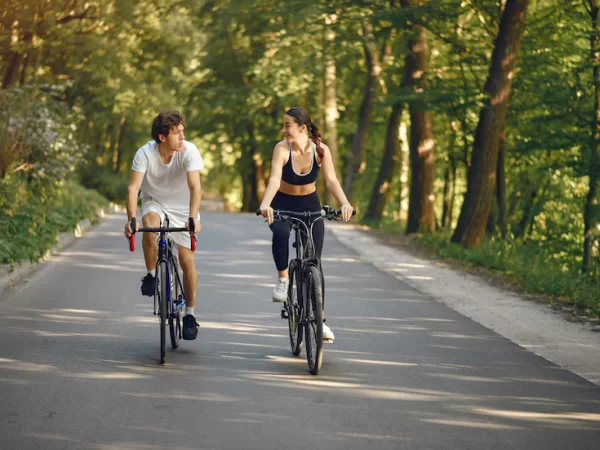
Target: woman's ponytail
point(315, 135)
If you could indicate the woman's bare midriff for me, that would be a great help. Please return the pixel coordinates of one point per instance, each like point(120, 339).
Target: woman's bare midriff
point(293, 189)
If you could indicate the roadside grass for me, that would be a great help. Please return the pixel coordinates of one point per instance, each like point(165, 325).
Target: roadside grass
point(31, 228)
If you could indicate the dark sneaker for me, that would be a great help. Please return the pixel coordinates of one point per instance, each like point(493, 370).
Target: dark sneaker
point(148, 285)
point(190, 328)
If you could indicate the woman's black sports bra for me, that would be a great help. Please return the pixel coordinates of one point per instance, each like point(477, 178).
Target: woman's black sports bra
point(290, 176)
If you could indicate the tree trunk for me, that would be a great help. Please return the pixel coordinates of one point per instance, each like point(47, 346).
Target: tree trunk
point(374, 64)
point(116, 156)
point(391, 154)
point(501, 188)
point(11, 74)
point(331, 109)
point(250, 199)
point(590, 215)
point(482, 171)
point(404, 174)
point(449, 192)
point(421, 215)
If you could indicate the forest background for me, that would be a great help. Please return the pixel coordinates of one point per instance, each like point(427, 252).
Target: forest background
point(470, 126)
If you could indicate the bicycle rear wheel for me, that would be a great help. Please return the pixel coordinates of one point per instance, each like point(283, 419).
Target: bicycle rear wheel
point(292, 306)
point(313, 305)
point(162, 290)
point(174, 314)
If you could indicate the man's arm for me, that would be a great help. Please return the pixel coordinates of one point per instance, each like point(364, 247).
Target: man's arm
point(133, 189)
point(193, 179)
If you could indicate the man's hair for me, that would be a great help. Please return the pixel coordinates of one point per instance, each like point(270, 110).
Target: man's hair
point(163, 123)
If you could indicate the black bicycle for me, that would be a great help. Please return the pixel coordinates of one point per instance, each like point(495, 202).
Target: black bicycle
point(169, 295)
point(303, 308)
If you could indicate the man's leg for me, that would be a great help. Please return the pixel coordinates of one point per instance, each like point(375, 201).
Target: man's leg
point(150, 220)
point(188, 266)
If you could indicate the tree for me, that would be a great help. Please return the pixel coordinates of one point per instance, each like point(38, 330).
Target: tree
point(422, 158)
point(591, 213)
point(484, 158)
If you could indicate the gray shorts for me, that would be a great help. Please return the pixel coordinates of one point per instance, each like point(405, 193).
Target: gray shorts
point(176, 220)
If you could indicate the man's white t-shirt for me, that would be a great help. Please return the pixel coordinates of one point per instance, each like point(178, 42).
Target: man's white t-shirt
point(167, 183)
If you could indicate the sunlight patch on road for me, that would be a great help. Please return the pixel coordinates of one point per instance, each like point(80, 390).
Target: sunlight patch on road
point(64, 318)
point(286, 359)
point(340, 259)
point(112, 267)
point(81, 311)
point(230, 326)
point(468, 378)
point(470, 423)
point(241, 421)
point(460, 336)
point(246, 344)
point(537, 416)
point(257, 242)
point(54, 334)
point(13, 364)
point(412, 266)
point(196, 396)
point(53, 437)
point(381, 363)
point(376, 437)
point(105, 375)
point(370, 331)
point(239, 275)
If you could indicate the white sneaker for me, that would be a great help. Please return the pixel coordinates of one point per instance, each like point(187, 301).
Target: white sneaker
point(281, 290)
point(327, 334)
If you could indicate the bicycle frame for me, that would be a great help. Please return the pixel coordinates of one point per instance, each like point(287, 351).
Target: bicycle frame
point(165, 254)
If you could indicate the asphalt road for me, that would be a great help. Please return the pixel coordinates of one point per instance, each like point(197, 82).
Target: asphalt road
point(79, 361)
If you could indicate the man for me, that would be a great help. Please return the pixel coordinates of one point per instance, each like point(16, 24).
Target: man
point(167, 172)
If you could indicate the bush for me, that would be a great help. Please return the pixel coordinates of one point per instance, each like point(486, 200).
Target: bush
point(112, 186)
point(32, 227)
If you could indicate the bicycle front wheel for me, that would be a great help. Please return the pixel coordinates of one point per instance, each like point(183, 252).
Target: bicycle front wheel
point(161, 291)
point(174, 314)
point(292, 305)
point(313, 305)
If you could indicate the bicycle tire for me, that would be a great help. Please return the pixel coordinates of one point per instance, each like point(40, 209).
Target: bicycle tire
point(162, 292)
point(313, 306)
point(294, 310)
point(174, 314)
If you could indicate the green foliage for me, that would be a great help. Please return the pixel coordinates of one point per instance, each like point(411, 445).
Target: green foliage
point(32, 228)
point(113, 186)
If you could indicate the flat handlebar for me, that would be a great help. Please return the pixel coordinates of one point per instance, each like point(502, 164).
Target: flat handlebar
point(327, 212)
point(133, 224)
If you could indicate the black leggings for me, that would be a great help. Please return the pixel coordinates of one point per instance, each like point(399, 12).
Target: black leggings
point(282, 229)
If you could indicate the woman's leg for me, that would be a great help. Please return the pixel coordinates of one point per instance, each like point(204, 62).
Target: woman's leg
point(280, 247)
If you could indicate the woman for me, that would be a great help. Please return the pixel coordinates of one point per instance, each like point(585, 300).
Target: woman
point(292, 187)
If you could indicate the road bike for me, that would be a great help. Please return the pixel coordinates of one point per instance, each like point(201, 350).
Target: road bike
point(169, 295)
point(303, 308)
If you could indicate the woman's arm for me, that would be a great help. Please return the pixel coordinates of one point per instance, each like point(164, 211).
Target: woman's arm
point(277, 163)
point(333, 185)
